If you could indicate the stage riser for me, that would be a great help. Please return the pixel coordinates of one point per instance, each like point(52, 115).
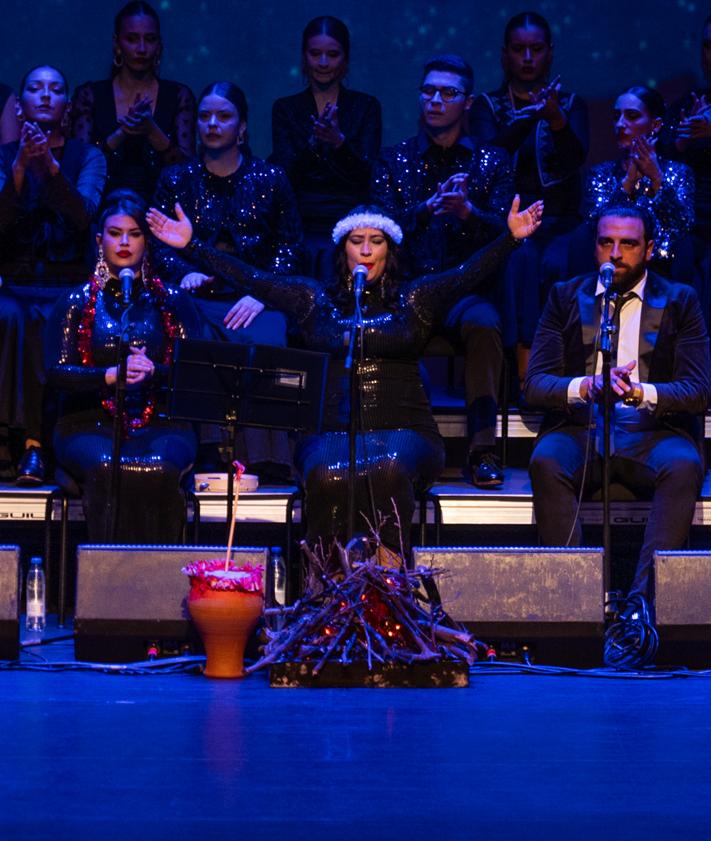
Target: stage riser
point(10, 587)
point(130, 597)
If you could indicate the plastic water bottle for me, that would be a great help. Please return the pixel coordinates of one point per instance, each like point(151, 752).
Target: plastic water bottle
point(35, 596)
point(277, 577)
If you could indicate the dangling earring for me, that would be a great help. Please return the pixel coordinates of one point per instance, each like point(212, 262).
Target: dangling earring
point(118, 59)
point(145, 271)
point(101, 270)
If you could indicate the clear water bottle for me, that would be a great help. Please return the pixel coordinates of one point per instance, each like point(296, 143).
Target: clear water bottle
point(35, 596)
point(277, 577)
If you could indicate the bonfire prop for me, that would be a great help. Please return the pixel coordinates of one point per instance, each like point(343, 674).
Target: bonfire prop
point(372, 623)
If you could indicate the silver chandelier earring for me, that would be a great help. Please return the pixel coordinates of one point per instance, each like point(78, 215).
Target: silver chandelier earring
point(101, 270)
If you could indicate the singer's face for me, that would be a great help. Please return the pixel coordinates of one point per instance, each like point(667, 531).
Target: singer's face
point(124, 243)
point(621, 241)
point(367, 247)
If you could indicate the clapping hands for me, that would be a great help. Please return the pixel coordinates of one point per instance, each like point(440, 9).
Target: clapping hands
point(452, 197)
point(325, 128)
point(139, 118)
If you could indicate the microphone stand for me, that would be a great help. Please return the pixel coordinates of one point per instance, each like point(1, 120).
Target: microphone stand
point(355, 338)
point(607, 331)
point(120, 391)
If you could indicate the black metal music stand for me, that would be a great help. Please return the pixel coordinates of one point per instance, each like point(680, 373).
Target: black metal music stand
point(258, 386)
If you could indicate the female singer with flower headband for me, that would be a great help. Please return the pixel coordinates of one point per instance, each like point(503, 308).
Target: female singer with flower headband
point(399, 447)
point(155, 452)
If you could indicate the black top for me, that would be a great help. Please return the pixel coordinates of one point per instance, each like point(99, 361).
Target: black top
point(407, 175)
point(327, 182)
point(395, 331)
point(697, 156)
point(44, 231)
point(546, 163)
point(135, 163)
point(251, 213)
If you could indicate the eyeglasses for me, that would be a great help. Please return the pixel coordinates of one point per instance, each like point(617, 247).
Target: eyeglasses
point(447, 94)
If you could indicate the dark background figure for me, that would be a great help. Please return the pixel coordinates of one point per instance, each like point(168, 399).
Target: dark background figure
point(545, 130)
point(661, 382)
point(451, 195)
point(155, 452)
point(50, 189)
point(326, 138)
point(9, 122)
point(140, 121)
point(244, 206)
point(686, 137)
point(400, 443)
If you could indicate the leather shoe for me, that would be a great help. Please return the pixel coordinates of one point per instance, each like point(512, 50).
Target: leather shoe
point(31, 469)
point(484, 470)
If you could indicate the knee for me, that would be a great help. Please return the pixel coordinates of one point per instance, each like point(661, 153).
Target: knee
point(481, 323)
point(544, 466)
point(684, 471)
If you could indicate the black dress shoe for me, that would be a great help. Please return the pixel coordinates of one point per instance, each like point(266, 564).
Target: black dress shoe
point(484, 470)
point(31, 470)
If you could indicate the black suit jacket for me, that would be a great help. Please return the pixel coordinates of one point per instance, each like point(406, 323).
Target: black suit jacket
point(673, 352)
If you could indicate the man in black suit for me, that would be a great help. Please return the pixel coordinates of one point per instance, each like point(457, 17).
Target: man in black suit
point(661, 383)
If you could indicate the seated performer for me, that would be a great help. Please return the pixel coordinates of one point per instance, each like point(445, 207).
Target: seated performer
point(243, 206)
point(399, 448)
point(155, 452)
point(50, 189)
point(661, 383)
point(326, 138)
point(450, 195)
point(140, 121)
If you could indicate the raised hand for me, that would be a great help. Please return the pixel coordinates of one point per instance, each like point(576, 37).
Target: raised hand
point(139, 118)
point(325, 127)
point(522, 223)
point(452, 197)
point(547, 102)
point(645, 158)
point(174, 232)
point(194, 280)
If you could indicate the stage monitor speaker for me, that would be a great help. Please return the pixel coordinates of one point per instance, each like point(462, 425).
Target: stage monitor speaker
point(547, 600)
point(132, 598)
point(683, 607)
point(10, 583)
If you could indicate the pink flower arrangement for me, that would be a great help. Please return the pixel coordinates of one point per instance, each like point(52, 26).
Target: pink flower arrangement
point(212, 575)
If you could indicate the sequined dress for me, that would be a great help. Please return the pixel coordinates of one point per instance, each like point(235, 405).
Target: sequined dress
point(153, 458)
point(401, 449)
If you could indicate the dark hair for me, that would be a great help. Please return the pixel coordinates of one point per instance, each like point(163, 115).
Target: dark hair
point(234, 94)
point(630, 211)
point(451, 63)
point(528, 19)
point(327, 25)
point(339, 289)
point(38, 67)
point(652, 100)
point(134, 9)
point(124, 202)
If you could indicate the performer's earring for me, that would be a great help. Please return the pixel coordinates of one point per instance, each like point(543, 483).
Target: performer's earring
point(145, 270)
point(118, 58)
point(101, 270)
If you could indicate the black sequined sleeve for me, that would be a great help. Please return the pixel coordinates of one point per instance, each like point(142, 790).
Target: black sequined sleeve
point(432, 296)
point(288, 238)
point(168, 263)
point(298, 296)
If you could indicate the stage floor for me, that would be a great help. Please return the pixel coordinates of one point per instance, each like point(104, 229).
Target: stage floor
point(97, 756)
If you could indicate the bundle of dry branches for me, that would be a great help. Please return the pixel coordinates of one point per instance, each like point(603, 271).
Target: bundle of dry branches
point(371, 611)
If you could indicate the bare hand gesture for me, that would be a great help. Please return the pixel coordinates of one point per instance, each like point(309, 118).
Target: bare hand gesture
point(547, 102)
point(174, 232)
point(194, 280)
point(325, 127)
point(523, 223)
point(243, 313)
point(138, 368)
point(139, 118)
point(645, 158)
point(591, 387)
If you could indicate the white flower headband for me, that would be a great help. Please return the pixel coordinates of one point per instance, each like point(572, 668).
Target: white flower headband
point(367, 220)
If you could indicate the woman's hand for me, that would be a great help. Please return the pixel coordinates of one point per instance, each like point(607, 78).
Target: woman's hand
point(174, 232)
point(138, 368)
point(326, 129)
point(645, 158)
point(523, 223)
point(548, 102)
point(194, 280)
point(243, 313)
point(139, 117)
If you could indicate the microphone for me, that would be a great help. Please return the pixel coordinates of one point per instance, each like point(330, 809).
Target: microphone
point(360, 275)
point(607, 273)
point(126, 277)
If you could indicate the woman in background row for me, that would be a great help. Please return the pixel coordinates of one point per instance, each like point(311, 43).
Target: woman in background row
point(243, 206)
point(9, 122)
point(545, 130)
point(50, 189)
point(141, 123)
point(155, 452)
point(326, 138)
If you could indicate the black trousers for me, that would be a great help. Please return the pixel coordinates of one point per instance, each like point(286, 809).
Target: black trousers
point(659, 462)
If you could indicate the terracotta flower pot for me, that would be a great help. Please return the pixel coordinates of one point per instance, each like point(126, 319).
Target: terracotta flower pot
point(224, 619)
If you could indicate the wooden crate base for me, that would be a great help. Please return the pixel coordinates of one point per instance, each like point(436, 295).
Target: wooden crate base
point(440, 675)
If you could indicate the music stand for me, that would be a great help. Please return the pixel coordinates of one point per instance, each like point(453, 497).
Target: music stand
point(260, 386)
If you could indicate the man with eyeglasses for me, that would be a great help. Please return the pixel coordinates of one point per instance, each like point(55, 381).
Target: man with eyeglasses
point(451, 196)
